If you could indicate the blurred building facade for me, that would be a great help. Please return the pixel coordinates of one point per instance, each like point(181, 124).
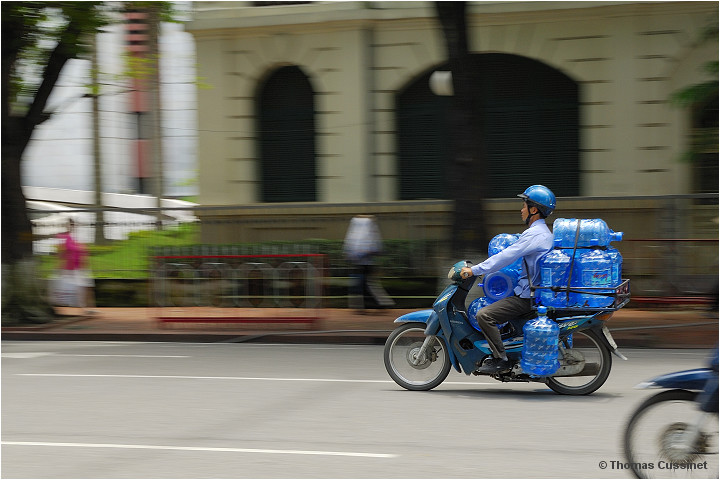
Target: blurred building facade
point(329, 101)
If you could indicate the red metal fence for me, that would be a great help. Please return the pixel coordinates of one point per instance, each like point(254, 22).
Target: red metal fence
point(271, 280)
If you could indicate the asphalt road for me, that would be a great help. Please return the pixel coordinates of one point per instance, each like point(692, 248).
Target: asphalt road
point(173, 410)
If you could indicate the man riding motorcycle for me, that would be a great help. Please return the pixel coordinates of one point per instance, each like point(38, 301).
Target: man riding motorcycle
point(537, 240)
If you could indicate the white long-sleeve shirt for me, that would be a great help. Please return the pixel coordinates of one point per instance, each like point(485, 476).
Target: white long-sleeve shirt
point(362, 240)
point(533, 243)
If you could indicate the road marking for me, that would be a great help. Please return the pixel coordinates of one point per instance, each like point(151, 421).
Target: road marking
point(26, 355)
point(118, 355)
point(263, 379)
point(47, 354)
point(201, 449)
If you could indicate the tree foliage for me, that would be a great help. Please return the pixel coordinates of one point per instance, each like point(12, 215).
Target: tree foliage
point(704, 91)
point(702, 101)
point(38, 40)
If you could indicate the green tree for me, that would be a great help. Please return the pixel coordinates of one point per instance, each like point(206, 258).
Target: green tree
point(38, 39)
point(701, 100)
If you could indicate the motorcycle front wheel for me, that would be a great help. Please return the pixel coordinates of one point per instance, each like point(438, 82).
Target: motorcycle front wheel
point(656, 444)
point(406, 368)
point(587, 348)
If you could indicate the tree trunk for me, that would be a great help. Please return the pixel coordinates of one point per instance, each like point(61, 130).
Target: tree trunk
point(23, 301)
point(155, 96)
point(467, 183)
point(16, 226)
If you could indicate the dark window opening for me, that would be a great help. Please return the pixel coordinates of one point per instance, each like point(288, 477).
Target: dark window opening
point(286, 137)
point(704, 140)
point(528, 125)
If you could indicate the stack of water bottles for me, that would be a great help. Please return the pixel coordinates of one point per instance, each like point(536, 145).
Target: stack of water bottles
point(582, 260)
point(498, 284)
point(540, 345)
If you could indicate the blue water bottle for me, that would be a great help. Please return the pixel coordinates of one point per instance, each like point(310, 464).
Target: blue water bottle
point(540, 345)
point(594, 232)
point(554, 269)
point(564, 230)
point(472, 310)
point(593, 272)
point(500, 242)
point(476, 305)
point(500, 284)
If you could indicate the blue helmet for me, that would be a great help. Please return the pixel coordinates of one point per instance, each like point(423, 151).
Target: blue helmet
point(541, 197)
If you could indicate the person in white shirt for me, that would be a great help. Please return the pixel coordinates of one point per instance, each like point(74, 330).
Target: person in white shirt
point(362, 244)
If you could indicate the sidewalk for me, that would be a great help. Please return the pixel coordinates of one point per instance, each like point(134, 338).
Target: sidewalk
point(630, 327)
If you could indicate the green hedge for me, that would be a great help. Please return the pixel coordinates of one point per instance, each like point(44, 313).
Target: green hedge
point(132, 258)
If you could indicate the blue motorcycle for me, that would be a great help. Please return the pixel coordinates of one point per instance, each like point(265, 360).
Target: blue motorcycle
point(674, 433)
point(419, 354)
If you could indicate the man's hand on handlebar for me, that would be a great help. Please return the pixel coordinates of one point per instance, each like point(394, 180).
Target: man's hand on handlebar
point(465, 272)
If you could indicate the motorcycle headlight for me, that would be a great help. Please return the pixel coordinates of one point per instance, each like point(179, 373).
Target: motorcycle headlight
point(454, 273)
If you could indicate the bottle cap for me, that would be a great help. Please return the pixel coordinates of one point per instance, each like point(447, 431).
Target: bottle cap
point(542, 310)
point(616, 236)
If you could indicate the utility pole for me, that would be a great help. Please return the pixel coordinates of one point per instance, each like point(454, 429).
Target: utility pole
point(156, 107)
point(97, 153)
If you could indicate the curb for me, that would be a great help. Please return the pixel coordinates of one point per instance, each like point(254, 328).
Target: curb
point(331, 337)
point(703, 335)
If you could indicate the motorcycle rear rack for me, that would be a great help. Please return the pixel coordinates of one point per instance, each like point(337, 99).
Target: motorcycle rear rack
point(620, 294)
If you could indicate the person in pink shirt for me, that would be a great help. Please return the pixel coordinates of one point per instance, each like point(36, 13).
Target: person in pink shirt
point(72, 255)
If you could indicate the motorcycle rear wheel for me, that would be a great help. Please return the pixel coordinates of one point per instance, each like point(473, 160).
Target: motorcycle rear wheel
point(596, 354)
point(401, 350)
point(653, 438)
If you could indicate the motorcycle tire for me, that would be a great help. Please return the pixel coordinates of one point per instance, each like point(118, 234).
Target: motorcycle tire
point(652, 438)
point(399, 353)
point(596, 351)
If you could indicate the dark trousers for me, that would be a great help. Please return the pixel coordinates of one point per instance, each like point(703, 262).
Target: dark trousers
point(365, 287)
point(498, 313)
point(359, 285)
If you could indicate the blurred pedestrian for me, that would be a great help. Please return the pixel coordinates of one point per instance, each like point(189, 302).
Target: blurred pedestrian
point(362, 244)
point(74, 268)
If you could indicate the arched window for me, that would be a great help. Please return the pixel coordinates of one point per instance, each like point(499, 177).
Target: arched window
point(529, 129)
point(423, 141)
point(704, 146)
point(286, 137)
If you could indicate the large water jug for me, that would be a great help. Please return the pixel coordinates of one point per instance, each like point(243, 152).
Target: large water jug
point(500, 284)
point(476, 305)
point(540, 345)
point(501, 242)
point(592, 269)
point(554, 268)
point(472, 310)
point(593, 233)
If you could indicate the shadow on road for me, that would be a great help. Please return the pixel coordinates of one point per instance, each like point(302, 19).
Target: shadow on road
point(541, 394)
